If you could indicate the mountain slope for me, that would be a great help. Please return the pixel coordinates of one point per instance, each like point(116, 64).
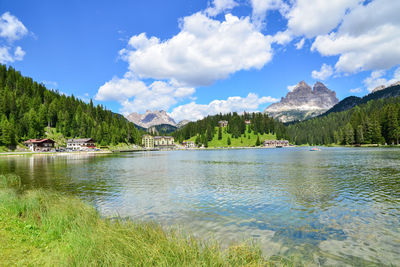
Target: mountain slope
point(303, 102)
point(352, 101)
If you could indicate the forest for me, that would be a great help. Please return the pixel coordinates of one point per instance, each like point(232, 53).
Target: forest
point(27, 108)
point(375, 122)
point(205, 128)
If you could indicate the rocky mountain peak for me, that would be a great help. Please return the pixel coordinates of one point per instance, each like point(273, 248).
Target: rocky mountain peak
point(151, 118)
point(303, 102)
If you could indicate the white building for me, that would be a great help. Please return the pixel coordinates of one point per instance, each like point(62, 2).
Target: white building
point(81, 144)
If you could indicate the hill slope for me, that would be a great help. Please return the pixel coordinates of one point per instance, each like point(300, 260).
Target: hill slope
point(352, 101)
point(27, 108)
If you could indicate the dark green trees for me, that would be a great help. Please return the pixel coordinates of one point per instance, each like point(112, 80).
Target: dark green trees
point(27, 107)
point(375, 122)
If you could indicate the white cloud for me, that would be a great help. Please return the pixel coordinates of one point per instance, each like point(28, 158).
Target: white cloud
point(193, 111)
point(11, 28)
point(260, 8)
point(205, 50)
point(282, 37)
point(51, 84)
point(158, 95)
point(377, 79)
point(219, 6)
point(314, 17)
point(325, 72)
point(291, 87)
point(7, 57)
point(356, 90)
point(367, 39)
point(19, 53)
point(300, 44)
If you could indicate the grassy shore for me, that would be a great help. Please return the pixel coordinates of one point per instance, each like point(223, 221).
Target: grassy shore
point(43, 228)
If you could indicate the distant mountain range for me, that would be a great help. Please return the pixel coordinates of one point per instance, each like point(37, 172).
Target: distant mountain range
point(303, 102)
point(155, 121)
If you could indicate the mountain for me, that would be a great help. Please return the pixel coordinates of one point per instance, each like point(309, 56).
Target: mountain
point(151, 118)
point(162, 129)
point(378, 93)
point(182, 123)
point(303, 103)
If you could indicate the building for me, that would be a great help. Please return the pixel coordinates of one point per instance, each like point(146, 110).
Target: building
point(149, 141)
point(276, 143)
point(81, 144)
point(247, 122)
point(40, 145)
point(188, 144)
point(163, 141)
point(223, 123)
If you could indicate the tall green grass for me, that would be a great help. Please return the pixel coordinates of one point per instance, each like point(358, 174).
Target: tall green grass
point(44, 228)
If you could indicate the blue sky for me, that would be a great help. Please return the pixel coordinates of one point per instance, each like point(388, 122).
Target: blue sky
point(194, 58)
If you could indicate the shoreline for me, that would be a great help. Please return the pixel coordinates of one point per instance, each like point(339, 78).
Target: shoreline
point(27, 153)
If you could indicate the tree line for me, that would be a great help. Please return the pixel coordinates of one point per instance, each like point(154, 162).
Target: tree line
point(28, 107)
point(375, 122)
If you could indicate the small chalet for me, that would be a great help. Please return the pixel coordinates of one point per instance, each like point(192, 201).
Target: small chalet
point(81, 144)
point(40, 145)
point(276, 143)
point(247, 122)
point(223, 123)
point(188, 144)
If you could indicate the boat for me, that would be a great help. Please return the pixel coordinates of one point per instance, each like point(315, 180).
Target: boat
point(315, 149)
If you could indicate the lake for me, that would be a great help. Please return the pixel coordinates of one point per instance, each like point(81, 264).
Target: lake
point(338, 206)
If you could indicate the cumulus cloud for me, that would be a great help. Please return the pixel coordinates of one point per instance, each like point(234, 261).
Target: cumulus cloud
point(367, 39)
point(219, 6)
point(377, 79)
point(315, 17)
point(193, 111)
point(324, 73)
point(11, 28)
point(205, 50)
point(260, 8)
point(135, 96)
point(7, 56)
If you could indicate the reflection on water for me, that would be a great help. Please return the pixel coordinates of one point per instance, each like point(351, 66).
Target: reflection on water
point(339, 206)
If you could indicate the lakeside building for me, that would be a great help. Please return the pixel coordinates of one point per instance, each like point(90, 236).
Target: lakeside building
point(81, 144)
point(149, 141)
point(188, 144)
point(40, 145)
point(276, 143)
point(223, 123)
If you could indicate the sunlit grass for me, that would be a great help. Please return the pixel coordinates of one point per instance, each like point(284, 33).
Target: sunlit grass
point(45, 228)
point(245, 140)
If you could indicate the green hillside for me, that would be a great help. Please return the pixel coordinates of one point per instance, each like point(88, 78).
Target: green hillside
point(245, 140)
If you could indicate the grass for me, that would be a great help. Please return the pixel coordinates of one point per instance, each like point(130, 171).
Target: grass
point(246, 140)
point(45, 228)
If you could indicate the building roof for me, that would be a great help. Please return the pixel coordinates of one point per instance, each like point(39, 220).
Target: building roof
point(165, 137)
point(80, 140)
point(38, 141)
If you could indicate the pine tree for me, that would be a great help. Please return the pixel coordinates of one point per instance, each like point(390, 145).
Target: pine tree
point(219, 133)
point(229, 141)
point(258, 143)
